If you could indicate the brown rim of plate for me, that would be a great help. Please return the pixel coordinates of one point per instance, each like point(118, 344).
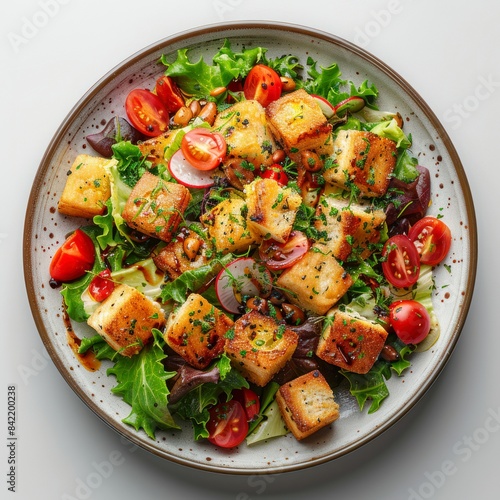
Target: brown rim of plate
point(215, 29)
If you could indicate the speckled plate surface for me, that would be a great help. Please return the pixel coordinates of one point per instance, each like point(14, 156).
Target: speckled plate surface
point(45, 230)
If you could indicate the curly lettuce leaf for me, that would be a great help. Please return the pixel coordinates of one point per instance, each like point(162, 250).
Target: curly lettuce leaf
point(391, 130)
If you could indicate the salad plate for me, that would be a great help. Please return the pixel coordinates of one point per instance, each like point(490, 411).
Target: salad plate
point(46, 229)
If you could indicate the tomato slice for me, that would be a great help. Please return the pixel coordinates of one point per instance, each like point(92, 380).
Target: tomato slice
point(101, 286)
point(262, 84)
point(249, 400)
point(169, 94)
point(401, 266)
point(73, 258)
point(228, 425)
point(277, 256)
point(147, 112)
point(203, 149)
point(277, 173)
point(432, 238)
point(410, 320)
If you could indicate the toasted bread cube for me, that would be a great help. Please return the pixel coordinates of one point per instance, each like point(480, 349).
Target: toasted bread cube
point(350, 341)
point(345, 226)
point(227, 226)
point(125, 319)
point(87, 187)
point(363, 159)
point(271, 208)
point(154, 149)
point(298, 122)
point(316, 282)
point(155, 207)
point(307, 404)
point(260, 347)
point(196, 331)
point(247, 134)
point(173, 258)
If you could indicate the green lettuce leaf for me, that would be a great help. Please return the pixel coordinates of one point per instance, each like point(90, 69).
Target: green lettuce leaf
point(391, 130)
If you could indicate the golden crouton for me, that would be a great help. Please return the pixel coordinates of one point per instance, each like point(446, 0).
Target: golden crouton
point(345, 227)
point(259, 347)
point(298, 122)
point(87, 187)
point(155, 207)
point(271, 208)
point(196, 331)
point(125, 319)
point(350, 341)
point(307, 404)
point(316, 282)
point(187, 251)
point(154, 149)
point(363, 159)
point(227, 226)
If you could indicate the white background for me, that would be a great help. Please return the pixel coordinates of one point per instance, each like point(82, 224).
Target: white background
point(447, 50)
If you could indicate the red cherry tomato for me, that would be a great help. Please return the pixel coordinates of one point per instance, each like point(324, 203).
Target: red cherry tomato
point(249, 400)
point(262, 84)
point(402, 265)
point(169, 94)
point(432, 238)
point(277, 173)
point(73, 258)
point(146, 112)
point(101, 286)
point(410, 320)
point(278, 256)
point(228, 425)
point(203, 149)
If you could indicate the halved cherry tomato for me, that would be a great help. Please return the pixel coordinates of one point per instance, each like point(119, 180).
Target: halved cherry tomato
point(410, 320)
point(203, 149)
point(432, 238)
point(73, 258)
point(278, 256)
point(262, 84)
point(249, 400)
point(147, 112)
point(277, 173)
point(169, 94)
point(101, 286)
point(402, 265)
point(228, 425)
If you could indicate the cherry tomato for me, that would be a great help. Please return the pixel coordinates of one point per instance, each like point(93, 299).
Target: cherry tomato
point(101, 286)
point(73, 258)
point(228, 424)
point(432, 238)
point(169, 94)
point(402, 265)
point(147, 112)
point(262, 84)
point(410, 320)
point(278, 256)
point(277, 173)
point(249, 400)
point(203, 149)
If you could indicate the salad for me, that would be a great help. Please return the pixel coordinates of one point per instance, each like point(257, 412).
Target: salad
point(256, 234)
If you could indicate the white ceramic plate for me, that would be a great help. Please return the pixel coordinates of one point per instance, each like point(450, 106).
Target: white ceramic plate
point(45, 230)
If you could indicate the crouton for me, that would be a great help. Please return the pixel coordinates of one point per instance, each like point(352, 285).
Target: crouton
point(259, 347)
point(155, 207)
point(227, 226)
point(154, 149)
point(298, 123)
point(87, 187)
point(196, 331)
point(125, 319)
point(350, 341)
point(316, 282)
point(307, 404)
point(346, 226)
point(362, 159)
point(271, 208)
